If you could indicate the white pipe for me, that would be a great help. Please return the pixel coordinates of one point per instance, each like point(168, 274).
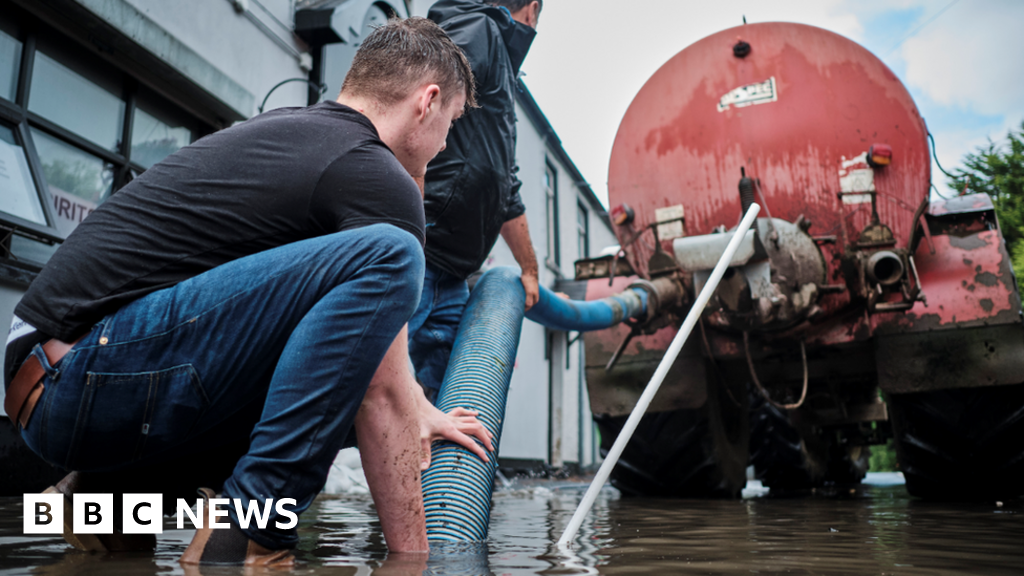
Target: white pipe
point(659, 376)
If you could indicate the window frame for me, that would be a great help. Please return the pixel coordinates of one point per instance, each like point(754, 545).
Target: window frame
point(21, 120)
point(582, 230)
point(553, 261)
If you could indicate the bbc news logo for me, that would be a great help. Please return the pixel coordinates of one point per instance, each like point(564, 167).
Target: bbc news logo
point(143, 513)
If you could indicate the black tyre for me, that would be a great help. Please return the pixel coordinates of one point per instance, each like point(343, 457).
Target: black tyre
point(961, 444)
point(699, 453)
point(777, 450)
point(787, 459)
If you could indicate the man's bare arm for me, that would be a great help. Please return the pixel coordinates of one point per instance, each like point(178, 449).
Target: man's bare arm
point(389, 445)
point(516, 233)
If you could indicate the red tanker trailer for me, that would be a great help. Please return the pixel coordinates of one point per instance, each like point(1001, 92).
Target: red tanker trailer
point(858, 310)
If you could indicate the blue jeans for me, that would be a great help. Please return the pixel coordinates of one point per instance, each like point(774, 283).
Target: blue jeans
point(300, 329)
point(434, 325)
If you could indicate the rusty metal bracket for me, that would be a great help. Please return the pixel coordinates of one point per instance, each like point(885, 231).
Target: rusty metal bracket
point(917, 282)
point(622, 348)
point(615, 266)
point(661, 262)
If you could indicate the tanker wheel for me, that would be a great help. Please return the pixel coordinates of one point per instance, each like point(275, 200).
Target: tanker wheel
point(787, 459)
point(699, 453)
point(962, 444)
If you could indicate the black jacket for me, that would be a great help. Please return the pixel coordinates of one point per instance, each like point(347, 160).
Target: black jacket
point(471, 187)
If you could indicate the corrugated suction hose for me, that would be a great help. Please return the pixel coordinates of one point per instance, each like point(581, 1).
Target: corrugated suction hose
point(457, 486)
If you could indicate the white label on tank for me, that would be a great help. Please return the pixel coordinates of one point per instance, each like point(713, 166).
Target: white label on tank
point(856, 176)
point(759, 93)
point(672, 229)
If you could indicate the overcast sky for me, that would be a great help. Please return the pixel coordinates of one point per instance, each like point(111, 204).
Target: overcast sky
point(960, 60)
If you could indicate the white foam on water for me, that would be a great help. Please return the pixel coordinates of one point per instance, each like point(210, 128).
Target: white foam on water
point(346, 475)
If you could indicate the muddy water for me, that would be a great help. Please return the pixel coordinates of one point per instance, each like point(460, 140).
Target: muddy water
point(870, 530)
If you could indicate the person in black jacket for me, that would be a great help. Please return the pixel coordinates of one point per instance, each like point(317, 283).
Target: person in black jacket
point(471, 188)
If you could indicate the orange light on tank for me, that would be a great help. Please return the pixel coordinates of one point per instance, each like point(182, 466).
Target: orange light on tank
point(622, 215)
point(880, 155)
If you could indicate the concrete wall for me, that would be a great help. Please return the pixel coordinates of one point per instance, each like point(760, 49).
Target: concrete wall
point(256, 48)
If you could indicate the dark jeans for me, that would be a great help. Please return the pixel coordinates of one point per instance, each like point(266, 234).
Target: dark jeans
point(290, 336)
point(434, 325)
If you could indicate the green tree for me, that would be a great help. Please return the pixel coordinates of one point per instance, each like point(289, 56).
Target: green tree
point(883, 458)
point(998, 170)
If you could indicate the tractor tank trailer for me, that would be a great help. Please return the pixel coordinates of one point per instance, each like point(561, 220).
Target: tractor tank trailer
point(860, 308)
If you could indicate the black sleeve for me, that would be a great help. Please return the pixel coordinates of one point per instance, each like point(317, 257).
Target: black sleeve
point(515, 207)
point(367, 186)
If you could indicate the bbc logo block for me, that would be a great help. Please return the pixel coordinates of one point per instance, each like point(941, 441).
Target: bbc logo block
point(143, 514)
point(93, 514)
point(44, 514)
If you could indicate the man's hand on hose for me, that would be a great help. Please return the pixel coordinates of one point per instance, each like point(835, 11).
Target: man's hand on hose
point(516, 233)
point(532, 286)
point(459, 426)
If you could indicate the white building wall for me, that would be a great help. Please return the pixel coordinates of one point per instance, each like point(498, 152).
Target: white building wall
point(256, 48)
point(533, 430)
point(525, 432)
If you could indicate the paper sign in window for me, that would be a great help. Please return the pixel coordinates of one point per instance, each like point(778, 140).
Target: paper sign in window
point(18, 195)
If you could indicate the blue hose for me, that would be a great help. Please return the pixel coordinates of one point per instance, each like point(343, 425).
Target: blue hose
point(457, 486)
point(559, 313)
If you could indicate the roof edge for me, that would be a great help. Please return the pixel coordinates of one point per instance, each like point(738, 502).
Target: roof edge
point(525, 99)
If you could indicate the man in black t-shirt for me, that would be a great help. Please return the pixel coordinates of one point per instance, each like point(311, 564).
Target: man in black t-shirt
point(246, 290)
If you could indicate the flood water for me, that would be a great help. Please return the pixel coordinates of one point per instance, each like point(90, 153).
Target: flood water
point(873, 529)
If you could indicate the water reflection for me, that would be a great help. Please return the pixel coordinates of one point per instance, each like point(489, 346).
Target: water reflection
point(871, 530)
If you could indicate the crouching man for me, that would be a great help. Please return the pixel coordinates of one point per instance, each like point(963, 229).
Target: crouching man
point(246, 290)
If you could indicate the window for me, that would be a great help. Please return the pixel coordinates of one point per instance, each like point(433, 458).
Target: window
point(18, 194)
point(551, 195)
point(10, 59)
point(582, 231)
point(79, 95)
point(156, 131)
point(76, 180)
point(73, 129)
